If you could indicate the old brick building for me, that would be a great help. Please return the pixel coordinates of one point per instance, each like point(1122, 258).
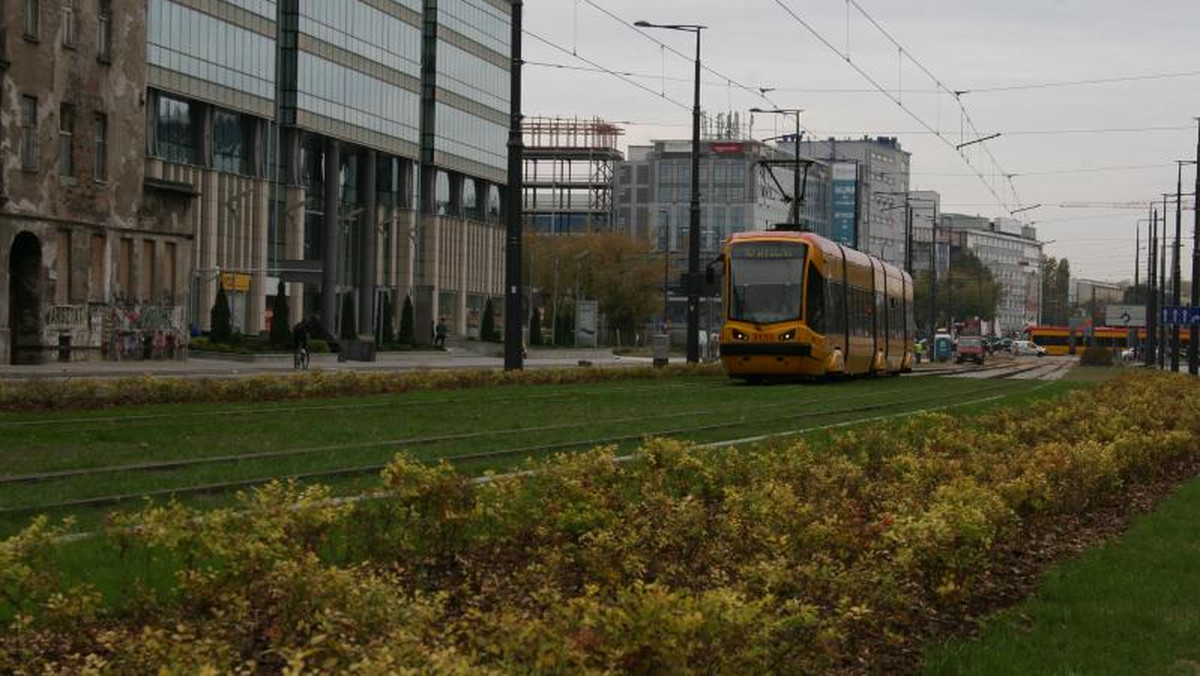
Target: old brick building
point(88, 272)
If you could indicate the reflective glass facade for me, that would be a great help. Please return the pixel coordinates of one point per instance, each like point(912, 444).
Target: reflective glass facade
point(478, 21)
point(472, 138)
point(472, 63)
point(340, 93)
point(363, 30)
point(186, 41)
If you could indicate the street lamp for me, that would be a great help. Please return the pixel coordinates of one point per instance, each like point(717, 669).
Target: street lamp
point(795, 210)
point(693, 280)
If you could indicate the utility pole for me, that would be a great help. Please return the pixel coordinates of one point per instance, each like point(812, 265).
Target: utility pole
point(1175, 272)
point(1162, 287)
point(908, 235)
point(514, 315)
point(1151, 292)
point(1193, 355)
point(933, 278)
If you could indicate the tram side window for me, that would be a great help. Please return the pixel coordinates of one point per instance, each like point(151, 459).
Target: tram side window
point(860, 312)
point(836, 306)
point(881, 315)
point(814, 289)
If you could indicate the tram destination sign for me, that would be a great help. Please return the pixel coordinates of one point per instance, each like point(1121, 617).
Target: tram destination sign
point(768, 250)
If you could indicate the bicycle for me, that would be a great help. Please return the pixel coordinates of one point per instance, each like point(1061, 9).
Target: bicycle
point(300, 357)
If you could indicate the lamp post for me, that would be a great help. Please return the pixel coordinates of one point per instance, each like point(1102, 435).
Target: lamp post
point(693, 277)
point(665, 227)
point(795, 210)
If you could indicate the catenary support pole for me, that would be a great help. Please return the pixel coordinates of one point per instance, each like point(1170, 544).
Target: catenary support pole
point(514, 314)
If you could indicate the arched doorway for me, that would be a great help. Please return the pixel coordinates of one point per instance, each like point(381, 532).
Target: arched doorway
point(25, 299)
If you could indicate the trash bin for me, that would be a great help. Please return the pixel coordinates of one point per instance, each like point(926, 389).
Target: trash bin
point(661, 349)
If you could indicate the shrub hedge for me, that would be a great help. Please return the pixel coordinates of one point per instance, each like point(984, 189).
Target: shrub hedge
point(138, 390)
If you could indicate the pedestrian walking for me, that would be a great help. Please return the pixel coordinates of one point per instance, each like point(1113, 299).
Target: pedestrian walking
point(439, 333)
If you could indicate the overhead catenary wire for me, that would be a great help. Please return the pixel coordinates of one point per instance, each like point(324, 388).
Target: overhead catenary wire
point(867, 76)
point(957, 98)
point(756, 91)
point(564, 50)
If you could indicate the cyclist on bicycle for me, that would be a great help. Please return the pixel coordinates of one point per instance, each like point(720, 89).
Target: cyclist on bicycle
point(300, 335)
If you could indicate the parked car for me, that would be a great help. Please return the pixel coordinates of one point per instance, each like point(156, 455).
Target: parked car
point(1027, 347)
point(997, 344)
point(970, 348)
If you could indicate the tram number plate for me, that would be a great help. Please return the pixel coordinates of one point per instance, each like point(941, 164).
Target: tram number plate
point(760, 336)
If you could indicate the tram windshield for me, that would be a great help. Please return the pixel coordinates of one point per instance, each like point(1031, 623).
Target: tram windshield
point(766, 281)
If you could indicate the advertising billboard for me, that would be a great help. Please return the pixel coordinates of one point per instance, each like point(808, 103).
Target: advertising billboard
point(845, 203)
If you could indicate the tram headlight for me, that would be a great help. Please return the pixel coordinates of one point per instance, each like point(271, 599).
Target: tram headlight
point(738, 335)
point(790, 334)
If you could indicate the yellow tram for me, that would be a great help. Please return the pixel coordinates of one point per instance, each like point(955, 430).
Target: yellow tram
point(798, 305)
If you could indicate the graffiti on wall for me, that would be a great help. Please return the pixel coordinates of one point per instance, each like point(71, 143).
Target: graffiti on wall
point(137, 330)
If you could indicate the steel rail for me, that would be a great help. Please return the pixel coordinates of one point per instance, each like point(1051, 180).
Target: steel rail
point(367, 469)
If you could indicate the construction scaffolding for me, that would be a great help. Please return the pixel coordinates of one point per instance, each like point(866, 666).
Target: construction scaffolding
point(568, 173)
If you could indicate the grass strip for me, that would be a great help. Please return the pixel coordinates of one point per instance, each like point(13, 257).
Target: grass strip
point(1128, 606)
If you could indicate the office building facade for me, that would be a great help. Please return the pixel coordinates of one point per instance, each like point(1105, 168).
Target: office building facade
point(353, 149)
point(737, 193)
point(873, 175)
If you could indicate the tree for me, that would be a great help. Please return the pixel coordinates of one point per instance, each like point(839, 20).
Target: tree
point(221, 330)
point(407, 336)
point(969, 291)
point(1056, 287)
point(564, 326)
point(487, 325)
point(349, 326)
point(387, 332)
point(281, 330)
point(617, 270)
point(535, 327)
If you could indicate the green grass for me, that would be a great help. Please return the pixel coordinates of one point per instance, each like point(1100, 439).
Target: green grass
point(1131, 606)
point(364, 431)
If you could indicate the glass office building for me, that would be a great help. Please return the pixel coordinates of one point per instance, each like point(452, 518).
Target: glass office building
point(353, 149)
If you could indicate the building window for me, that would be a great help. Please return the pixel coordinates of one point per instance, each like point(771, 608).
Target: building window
point(231, 142)
point(28, 132)
point(176, 134)
point(66, 140)
point(68, 23)
point(101, 170)
point(32, 8)
point(104, 32)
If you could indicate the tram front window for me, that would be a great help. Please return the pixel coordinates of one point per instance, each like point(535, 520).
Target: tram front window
point(765, 279)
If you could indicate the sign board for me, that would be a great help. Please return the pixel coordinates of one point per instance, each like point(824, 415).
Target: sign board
point(1124, 316)
point(585, 323)
point(1180, 314)
point(727, 148)
point(235, 281)
point(845, 203)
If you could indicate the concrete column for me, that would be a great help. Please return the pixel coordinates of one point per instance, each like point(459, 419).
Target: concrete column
point(369, 233)
point(258, 256)
point(333, 181)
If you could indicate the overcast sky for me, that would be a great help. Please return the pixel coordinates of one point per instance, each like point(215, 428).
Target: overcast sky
point(1097, 143)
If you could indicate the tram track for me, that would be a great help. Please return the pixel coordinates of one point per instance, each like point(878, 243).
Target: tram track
point(953, 399)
